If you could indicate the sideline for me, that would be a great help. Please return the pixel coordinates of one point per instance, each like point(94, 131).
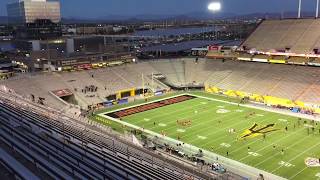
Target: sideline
point(255, 105)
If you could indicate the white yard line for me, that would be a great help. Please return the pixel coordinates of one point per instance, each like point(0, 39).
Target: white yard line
point(204, 122)
point(172, 112)
point(245, 144)
point(295, 157)
point(289, 113)
point(285, 137)
point(215, 132)
point(298, 173)
point(297, 142)
point(224, 129)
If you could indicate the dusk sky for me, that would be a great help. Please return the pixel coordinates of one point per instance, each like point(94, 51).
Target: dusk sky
point(102, 8)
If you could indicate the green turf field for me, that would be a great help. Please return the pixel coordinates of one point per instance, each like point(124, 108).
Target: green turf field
point(212, 121)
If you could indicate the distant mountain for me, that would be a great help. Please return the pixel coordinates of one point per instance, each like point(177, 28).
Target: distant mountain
point(193, 15)
point(148, 17)
point(110, 18)
point(189, 16)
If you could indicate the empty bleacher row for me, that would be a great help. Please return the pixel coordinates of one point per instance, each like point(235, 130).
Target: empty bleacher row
point(6, 170)
point(65, 150)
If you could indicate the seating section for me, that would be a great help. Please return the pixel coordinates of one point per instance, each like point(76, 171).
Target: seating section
point(286, 81)
point(174, 70)
point(300, 35)
point(65, 149)
point(108, 81)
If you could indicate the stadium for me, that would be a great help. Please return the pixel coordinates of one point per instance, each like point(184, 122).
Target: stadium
point(237, 113)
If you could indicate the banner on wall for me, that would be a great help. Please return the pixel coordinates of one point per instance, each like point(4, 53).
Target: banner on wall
point(244, 59)
point(259, 60)
point(214, 48)
point(277, 61)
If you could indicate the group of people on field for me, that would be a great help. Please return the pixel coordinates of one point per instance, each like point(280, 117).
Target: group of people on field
point(184, 123)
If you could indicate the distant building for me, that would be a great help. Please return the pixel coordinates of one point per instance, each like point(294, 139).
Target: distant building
point(35, 19)
point(41, 29)
point(27, 11)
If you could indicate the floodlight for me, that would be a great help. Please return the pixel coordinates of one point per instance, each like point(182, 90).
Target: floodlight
point(214, 6)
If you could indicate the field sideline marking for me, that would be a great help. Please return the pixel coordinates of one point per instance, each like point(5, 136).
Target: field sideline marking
point(255, 107)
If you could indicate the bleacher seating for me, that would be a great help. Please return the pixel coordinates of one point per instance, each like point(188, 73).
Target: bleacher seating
point(285, 81)
point(299, 35)
point(64, 149)
point(298, 60)
point(261, 56)
point(172, 69)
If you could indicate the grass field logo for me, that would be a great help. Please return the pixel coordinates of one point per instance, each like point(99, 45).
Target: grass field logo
point(312, 162)
point(255, 131)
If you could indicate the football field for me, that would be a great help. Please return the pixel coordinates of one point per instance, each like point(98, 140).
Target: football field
point(269, 141)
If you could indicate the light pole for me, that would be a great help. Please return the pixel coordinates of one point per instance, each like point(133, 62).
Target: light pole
point(214, 7)
point(299, 10)
point(317, 9)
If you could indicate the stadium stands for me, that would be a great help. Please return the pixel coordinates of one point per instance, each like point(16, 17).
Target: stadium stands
point(172, 69)
point(297, 60)
point(64, 149)
point(296, 35)
point(108, 81)
point(286, 81)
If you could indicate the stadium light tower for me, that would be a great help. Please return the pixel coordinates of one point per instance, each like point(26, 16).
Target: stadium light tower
point(317, 9)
